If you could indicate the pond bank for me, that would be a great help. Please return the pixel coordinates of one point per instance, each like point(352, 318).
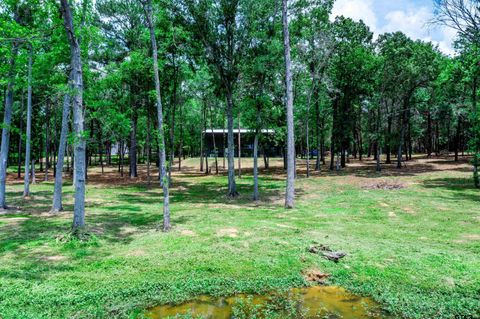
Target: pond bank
point(309, 302)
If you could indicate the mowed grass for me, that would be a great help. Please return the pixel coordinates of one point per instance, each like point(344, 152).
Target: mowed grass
point(416, 250)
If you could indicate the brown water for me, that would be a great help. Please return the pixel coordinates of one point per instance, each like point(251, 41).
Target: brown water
point(326, 301)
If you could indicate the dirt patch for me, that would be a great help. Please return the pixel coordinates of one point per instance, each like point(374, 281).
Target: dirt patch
point(137, 253)
point(409, 210)
point(284, 226)
point(228, 232)
point(187, 232)
point(315, 276)
point(385, 185)
point(449, 282)
point(471, 236)
point(14, 220)
point(127, 230)
point(53, 258)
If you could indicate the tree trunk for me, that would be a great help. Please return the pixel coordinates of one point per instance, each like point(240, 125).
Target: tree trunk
point(239, 149)
point(78, 120)
point(317, 129)
point(55, 141)
point(207, 169)
point(215, 151)
point(307, 145)
point(57, 191)
point(26, 180)
point(34, 180)
point(379, 149)
point(180, 146)
point(122, 157)
point(429, 134)
point(343, 157)
point(379, 152)
point(100, 146)
point(224, 140)
point(47, 139)
point(388, 149)
point(148, 151)
point(19, 170)
point(172, 123)
point(265, 156)
point(202, 137)
point(402, 133)
point(457, 137)
point(132, 152)
point(165, 183)
point(232, 186)
point(290, 188)
point(256, 195)
point(6, 128)
point(205, 150)
point(332, 154)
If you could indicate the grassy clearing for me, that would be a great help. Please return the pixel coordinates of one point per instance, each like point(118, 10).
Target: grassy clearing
point(415, 250)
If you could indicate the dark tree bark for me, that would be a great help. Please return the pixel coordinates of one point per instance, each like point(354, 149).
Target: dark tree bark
point(100, 146)
point(429, 134)
point(202, 137)
point(378, 167)
point(388, 149)
point(122, 157)
point(458, 137)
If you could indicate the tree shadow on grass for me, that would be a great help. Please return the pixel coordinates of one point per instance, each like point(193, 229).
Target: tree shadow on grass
point(460, 188)
point(209, 193)
point(30, 235)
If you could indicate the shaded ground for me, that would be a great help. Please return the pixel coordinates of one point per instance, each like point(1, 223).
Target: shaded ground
point(414, 249)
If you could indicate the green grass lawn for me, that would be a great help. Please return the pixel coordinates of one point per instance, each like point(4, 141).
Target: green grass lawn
point(415, 250)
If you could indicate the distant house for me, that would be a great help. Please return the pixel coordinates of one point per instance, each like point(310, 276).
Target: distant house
point(266, 143)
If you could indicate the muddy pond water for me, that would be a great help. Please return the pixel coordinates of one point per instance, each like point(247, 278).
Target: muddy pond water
point(315, 302)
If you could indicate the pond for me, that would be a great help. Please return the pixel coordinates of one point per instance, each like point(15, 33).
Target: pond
point(311, 302)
